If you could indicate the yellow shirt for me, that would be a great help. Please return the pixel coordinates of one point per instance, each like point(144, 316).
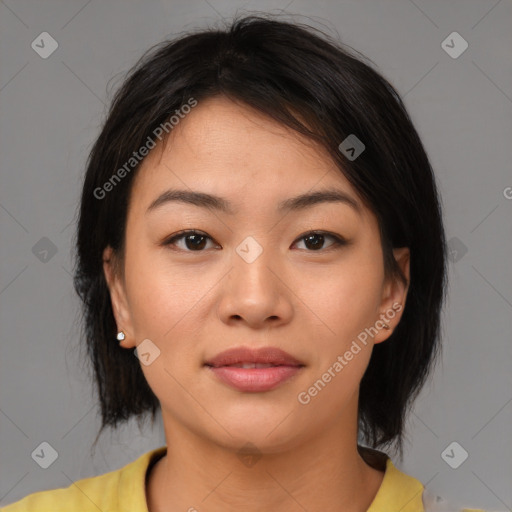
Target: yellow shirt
point(124, 490)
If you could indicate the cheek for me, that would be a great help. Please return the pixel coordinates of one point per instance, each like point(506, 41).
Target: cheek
point(346, 301)
point(162, 299)
point(165, 307)
point(345, 298)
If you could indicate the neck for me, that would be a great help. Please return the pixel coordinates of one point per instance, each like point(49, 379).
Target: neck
point(325, 473)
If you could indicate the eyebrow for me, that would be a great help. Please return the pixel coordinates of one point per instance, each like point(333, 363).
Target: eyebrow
point(216, 203)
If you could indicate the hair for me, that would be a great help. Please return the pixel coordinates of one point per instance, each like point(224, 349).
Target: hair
point(308, 81)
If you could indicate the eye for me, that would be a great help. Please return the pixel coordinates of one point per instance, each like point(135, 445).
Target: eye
point(195, 241)
point(314, 240)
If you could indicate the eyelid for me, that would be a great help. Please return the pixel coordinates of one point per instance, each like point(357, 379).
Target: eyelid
point(181, 234)
point(338, 239)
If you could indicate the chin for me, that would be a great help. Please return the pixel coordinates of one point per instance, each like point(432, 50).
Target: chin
point(268, 433)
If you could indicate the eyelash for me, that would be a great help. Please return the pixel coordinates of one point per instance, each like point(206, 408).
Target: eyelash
point(338, 241)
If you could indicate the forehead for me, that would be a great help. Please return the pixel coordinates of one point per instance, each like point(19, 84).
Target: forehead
point(231, 150)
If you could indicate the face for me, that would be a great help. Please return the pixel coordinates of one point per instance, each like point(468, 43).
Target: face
point(304, 277)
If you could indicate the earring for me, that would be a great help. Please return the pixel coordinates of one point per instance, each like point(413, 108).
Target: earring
point(121, 336)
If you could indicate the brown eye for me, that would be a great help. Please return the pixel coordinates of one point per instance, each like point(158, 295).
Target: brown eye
point(194, 241)
point(314, 241)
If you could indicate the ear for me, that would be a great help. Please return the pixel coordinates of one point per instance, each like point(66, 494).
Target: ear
point(394, 295)
point(118, 299)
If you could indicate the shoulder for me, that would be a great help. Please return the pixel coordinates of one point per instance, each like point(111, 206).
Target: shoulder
point(95, 493)
point(105, 492)
point(434, 503)
point(400, 491)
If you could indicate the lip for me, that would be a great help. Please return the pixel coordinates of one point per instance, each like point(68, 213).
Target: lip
point(283, 367)
point(265, 355)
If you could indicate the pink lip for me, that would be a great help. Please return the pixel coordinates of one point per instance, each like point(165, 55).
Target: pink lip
point(255, 379)
point(284, 367)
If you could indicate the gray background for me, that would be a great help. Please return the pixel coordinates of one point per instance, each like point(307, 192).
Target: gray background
point(51, 110)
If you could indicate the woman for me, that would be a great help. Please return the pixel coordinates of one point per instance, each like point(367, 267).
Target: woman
point(260, 222)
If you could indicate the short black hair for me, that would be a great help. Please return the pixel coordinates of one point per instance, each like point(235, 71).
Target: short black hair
point(309, 81)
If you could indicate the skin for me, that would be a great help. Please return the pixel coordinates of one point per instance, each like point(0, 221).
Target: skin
point(193, 304)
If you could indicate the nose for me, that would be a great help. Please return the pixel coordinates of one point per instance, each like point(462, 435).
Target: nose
point(258, 293)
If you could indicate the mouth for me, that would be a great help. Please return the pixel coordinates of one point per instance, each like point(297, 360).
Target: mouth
point(266, 356)
point(250, 365)
point(252, 370)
